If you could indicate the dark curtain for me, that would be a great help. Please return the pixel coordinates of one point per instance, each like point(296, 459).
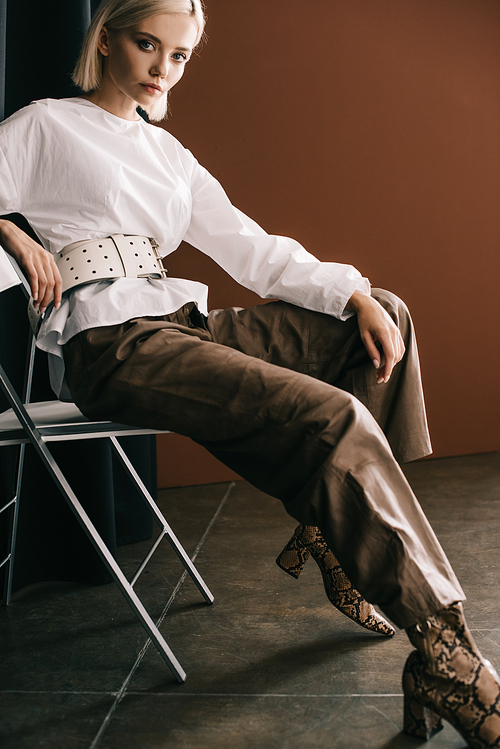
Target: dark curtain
point(39, 43)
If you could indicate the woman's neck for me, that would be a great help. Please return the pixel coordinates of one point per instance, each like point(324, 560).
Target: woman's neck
point(124, 110)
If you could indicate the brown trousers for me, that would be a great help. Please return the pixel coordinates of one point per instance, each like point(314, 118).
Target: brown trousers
point(288, 398)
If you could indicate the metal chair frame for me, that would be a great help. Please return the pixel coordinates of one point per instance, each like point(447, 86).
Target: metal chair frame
point(52, 421)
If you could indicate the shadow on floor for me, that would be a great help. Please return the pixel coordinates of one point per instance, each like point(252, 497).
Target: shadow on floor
point(271, 665)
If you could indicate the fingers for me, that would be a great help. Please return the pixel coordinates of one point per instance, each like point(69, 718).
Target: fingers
point(39, 265)
point(393, 348)
point(57, 289)
point(382, 361)
point(32, 277)
point(386, 371)
point(377, 327)
point(45, 279)
point(371, 348)
point(50, 286)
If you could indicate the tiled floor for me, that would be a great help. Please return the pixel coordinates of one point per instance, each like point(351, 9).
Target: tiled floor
point(271, 665)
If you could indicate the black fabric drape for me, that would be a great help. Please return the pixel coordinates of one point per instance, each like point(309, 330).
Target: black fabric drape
point(39, 43)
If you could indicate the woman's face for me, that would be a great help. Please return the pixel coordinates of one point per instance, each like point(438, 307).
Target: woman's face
point(144, 61)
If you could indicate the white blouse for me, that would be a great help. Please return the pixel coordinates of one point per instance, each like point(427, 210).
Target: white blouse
point(78, 172)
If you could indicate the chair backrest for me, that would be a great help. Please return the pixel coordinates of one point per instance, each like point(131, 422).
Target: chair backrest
point(8, 276)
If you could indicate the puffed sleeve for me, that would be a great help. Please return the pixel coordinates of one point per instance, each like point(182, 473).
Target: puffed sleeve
point(20, 156)
point(274, 267)
point(9, 203)
point(9, 198)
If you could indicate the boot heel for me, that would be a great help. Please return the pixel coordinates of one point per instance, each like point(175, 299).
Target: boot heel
point(294, 556)
point(419, 721)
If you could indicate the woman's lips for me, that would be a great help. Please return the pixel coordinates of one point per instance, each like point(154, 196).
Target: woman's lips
point(150, 89)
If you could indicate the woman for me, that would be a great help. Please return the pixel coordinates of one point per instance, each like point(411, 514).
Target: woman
point(275, 391)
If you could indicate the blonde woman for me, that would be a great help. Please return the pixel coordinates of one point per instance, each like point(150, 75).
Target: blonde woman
point(311, 398)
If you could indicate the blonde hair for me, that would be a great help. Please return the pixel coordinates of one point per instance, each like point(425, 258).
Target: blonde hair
point(121, 14)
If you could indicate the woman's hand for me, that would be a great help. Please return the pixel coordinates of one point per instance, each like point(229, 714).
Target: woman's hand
point(39, 265)
point(375, 324)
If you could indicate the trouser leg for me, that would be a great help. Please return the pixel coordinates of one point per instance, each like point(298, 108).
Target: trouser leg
point(331, 350)
point(357, 467)
point(303, 440)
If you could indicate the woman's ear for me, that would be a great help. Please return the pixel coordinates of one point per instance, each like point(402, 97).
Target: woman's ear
point(103, 42)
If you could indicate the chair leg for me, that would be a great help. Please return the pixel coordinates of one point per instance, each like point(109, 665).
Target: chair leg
point(93, 535)
point(11, 543)
point(110, 562)
point(12, 508)
point(172, 538)
point(9, 572)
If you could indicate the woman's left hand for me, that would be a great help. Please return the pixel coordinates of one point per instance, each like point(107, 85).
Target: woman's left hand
point(375, 324)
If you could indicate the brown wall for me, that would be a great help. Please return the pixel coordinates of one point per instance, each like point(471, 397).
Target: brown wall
point(369, 131)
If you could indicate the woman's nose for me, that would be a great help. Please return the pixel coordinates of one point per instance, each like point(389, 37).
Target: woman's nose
point(160, 68)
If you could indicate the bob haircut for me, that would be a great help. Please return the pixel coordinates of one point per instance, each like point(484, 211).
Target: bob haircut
point(121, 14)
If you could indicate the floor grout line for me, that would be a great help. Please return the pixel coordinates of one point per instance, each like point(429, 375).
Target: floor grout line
point(59, 691)
point(281, 695)
point(225, 695)
point(123, 689)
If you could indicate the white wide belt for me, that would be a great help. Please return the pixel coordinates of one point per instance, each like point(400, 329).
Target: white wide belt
point(117, 256)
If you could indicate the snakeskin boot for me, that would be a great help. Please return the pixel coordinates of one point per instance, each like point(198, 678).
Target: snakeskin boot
point(307, 540)
point(447, 677)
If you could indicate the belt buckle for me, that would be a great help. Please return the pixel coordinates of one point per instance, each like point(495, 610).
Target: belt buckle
point(154, 244)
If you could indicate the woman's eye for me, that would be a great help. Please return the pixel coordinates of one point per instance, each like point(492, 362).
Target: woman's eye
point(179, 57)
point(144, 44)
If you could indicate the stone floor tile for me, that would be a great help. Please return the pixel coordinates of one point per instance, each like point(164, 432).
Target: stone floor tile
point(271, 665)
point(265, 722)
point(51, 720)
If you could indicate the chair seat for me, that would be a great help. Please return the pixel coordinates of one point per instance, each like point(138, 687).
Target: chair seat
point(58, 421)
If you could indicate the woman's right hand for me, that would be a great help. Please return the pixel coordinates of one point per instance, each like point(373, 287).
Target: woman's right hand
point(375, 324)
point(38, 264)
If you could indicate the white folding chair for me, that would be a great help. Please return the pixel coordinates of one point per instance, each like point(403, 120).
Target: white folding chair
point(54, 421)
